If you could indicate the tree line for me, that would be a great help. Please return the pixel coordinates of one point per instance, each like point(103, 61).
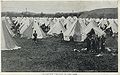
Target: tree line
point(30, 14)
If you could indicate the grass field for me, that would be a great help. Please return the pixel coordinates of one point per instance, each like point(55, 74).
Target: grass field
point(52, 55)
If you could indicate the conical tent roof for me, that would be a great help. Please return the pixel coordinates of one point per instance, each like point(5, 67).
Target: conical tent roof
point(113, 25)
point(42, 21)
point(57, 28)
point(16, 20)
point(7, 42)
point(75, 31)
point(75, 18)
point(9, 21)
point(28, 32)
point(39, 31)
point(97, 20)
point(85, 22)
point(103, 23)
point(116, 21)
point(69, 18)
point(8, 25)
point(90, 26)
point(83, 25)
point(69, 23)
point(51, 23)
point(13, 18)
point(47, 22)
point(93, 25)
point(22, 20)
point(63, 21)
point(25, 26)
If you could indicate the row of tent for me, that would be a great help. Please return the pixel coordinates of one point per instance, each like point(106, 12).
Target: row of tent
point(66, 21)
point(71, 26)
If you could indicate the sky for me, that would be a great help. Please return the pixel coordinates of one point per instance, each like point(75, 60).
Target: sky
point(55, 6)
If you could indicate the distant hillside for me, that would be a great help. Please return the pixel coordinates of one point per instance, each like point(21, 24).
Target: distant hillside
point(101, 13)
point(97, 13)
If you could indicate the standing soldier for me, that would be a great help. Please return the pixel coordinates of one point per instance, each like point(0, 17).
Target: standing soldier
point(97, 43)
point(93, 43)
point(102, 43)
point(88, 41)
point(35, 36)
point(61, 36)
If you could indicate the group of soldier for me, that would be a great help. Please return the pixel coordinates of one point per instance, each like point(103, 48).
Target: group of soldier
point(95, 43)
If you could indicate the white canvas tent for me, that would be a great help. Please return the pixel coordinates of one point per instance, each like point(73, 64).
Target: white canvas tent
point(113, 25)
point(75, 31)
point(85, 22)
point(28, 32)
point(69, 23)
point(63, 21)
point(90, 26)
point(39, 31)
point(8, 25)
point(103, 23)
point(116, 21)
point(51, 23)
point(9, 21)
point(41, 21)
point(26, 23)
point(75, 18)
point(47, 22)
point(82, 24)
point(57, 28)
point(97, 19)
point(7, 42)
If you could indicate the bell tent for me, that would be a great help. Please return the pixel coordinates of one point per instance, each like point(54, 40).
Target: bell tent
point(7, 41)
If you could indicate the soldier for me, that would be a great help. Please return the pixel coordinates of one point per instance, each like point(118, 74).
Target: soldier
point(35, 36)
point(88, 41)
point(93, 45)
point(102, 43)
point(61, 36)
point(97, 45)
